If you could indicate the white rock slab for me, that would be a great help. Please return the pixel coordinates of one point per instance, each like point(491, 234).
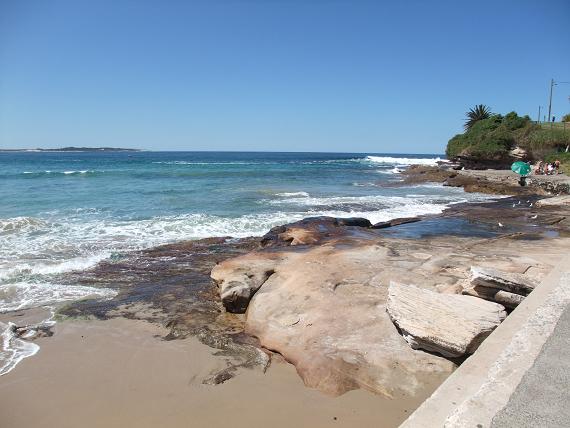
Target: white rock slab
point(449, 324)
point(506, 281)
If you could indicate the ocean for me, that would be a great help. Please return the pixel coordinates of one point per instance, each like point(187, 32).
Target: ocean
point(65, 211)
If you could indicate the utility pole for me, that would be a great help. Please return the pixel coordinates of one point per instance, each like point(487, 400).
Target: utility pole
point(550, 101)
point(552, 84)
point(538, 118)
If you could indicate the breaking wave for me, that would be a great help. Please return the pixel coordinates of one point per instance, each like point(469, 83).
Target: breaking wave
point(404, 161)
point(55, 173)
point(289, 194)
point(24, 295)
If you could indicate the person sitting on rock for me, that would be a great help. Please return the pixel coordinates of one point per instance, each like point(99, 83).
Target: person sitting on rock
point(538, 170)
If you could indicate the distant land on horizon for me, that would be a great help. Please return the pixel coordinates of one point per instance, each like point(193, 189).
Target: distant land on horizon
point(119, 149)
point(74, 149)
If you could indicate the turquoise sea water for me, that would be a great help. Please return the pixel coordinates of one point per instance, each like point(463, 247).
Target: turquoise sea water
point(68, 210)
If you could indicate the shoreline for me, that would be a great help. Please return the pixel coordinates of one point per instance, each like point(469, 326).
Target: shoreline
point(229, 335)
point(121, 372)
point(490, 181)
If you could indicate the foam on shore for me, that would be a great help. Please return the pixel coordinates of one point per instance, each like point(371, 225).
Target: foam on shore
point(405, 161)
point(12, 349)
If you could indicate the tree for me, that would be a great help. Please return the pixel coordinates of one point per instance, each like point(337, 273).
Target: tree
point(566, 118)
point(477, 113)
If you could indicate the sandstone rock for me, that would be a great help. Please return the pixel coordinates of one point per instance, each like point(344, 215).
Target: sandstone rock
point(518, 153)
point(312, 230)
point(239, 278)
point(508, 300)
point(451, 325)
point(506, 281)
point(555, 201)
point(324, 311)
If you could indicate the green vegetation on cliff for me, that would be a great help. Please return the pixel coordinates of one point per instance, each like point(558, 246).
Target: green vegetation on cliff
point(492, 139)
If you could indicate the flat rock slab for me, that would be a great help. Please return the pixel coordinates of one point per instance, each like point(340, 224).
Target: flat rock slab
point(395, 222)
point(448, 324)
point(506, 281)
point(555, 201)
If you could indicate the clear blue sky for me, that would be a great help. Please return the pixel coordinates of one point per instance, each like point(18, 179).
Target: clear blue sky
point(378, 76)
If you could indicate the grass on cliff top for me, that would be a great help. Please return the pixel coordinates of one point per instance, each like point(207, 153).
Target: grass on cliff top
point(493, 138)
point(555, 125)
point(547, 138)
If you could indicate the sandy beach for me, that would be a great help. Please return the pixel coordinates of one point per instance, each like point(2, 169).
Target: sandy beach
point(120, 372)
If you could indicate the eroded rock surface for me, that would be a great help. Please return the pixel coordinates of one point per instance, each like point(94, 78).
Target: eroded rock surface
point(499, 280)
point(332, 323)
point(313, 230)
point(448, 324)
point(241, 277)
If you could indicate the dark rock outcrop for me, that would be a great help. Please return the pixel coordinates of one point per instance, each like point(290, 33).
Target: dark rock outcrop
point(311, 230)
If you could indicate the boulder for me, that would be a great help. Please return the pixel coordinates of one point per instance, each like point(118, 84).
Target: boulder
point(448, 324)
point(518, 153)
point(312, 230)
point(509, 300)
point(238, 279)
point(505, 298)
point(506, 281)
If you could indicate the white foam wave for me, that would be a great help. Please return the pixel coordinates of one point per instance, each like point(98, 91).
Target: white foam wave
point(69, 172)
point(12, 349)
point(371, 202)
point(369, 184)
point(34, 250)
point(77, 244)
point(382, 207)
point(18, 224)
point(404, 161)
point(51, 267)
point(25, 295)
point(85, 171)
point(330, 161)
point(394, 170)
point(289, 194)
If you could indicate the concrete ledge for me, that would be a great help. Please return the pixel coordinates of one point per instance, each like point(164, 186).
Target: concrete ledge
point(484, 383)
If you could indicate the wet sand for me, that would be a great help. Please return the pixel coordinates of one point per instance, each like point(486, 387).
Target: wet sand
point(120, 373)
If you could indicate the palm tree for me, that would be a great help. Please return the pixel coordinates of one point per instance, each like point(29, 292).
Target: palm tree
point(476, 114)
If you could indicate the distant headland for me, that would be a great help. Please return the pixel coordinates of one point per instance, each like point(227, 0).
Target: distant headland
point(74, 149)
